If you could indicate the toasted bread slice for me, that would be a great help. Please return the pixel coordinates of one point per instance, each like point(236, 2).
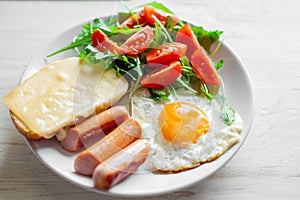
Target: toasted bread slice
point(59, 94)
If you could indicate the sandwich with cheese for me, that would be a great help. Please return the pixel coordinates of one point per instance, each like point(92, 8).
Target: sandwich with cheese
point(60, 94)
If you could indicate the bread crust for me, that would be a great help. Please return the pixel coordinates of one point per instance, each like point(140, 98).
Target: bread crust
point(23, 129)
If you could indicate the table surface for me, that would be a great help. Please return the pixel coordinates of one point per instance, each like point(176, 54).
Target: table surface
point(263, 33)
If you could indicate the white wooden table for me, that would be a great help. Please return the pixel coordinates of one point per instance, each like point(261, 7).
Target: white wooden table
point(264, 34)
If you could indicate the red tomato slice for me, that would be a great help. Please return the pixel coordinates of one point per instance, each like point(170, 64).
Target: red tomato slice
point(162, 17)
point(136, 19)
point(204, 67)
point(166, 53)
point(162, 76)
point(138, 42)
point(186, 36)
point(102, 42)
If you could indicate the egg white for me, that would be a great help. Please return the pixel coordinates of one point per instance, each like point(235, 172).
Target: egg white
point(166, 157)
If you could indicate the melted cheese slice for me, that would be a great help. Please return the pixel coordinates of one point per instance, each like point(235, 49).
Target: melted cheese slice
point(63, 91)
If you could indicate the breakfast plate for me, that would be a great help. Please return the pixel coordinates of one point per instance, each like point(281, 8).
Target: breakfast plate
point(239, 93)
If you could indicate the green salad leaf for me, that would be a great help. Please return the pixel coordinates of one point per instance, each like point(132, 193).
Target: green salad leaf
point(219, 64)
point(160, 6)
point(169, 23)
point(73, 45)
point(228, 113)
point(159, 94)
point(206, 38)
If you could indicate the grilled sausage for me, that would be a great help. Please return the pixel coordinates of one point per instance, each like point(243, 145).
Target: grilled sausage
point(93, 129)
point(118, 139)
point(122, 164)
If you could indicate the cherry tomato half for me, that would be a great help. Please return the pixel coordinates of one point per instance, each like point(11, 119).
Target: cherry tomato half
point(204, 67)
point(186, 36)
point(162, 17)
point(133, 20)
point(138, 42)
point(162, 76)
point(102, 42)
point(166, 53)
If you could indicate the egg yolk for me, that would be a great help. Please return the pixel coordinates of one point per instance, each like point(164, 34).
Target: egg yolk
point(182, 123)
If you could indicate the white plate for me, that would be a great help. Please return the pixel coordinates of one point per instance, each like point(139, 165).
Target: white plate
point(239, 94)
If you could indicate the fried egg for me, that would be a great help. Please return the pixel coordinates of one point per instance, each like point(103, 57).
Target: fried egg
point(184, 131)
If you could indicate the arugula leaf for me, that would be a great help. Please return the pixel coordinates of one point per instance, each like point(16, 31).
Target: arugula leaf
point(205, 91)
point(228, 114)
point(127, 66)
point(88, 54)
point(158, 35)
point(206, 38)
point(161, 34)
point(122, 16)
point(139, 71)
point(160, 6)
point(92, 56)
point(104, 25)
point(219, 64)
point(123, 65)
point(159, 94)
point(185, 84)
point(160, 27)
point(173, 91)
point(73, 45)
point(169, 24)
point(187, 70)
point(185, 61)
